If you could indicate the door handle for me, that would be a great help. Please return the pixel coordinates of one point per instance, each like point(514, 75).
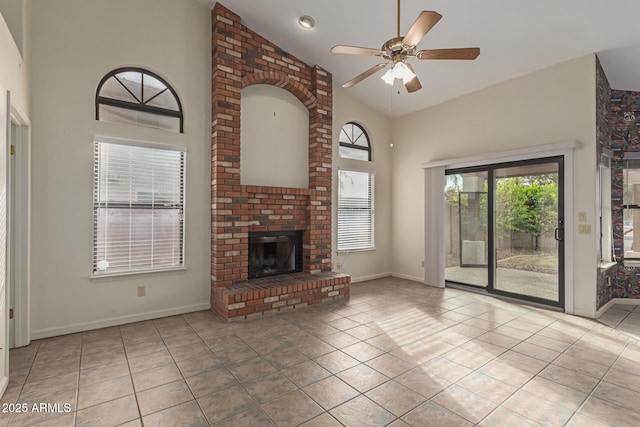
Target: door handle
point(558, 233)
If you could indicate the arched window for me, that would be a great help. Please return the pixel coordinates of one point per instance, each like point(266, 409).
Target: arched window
point(136, 96)
point(354, 142)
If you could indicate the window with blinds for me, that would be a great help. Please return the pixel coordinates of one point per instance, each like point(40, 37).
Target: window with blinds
point(138, 208)
point(355, 210)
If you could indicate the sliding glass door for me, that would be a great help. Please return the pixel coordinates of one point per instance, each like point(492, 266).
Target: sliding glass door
point(504, 229)
point(528, 230)
point(466, 228)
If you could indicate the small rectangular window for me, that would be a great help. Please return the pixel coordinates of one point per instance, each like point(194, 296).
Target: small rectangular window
point(355, 210)
point(138, 207)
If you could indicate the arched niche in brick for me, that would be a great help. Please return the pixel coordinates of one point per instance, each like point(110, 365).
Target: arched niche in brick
point(282, 81)
point(274, 135)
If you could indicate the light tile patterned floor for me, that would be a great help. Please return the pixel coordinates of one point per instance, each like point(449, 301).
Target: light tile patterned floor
point(397, 353)
point(624, 318)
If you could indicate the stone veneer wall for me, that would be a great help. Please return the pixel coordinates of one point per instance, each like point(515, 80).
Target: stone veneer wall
point(624, 138)
point(603, 138)
point(242, 58)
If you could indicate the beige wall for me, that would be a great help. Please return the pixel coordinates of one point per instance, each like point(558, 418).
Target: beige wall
point(374, 263)
point(13, 12)
point(74, 44)
point(551, 105)
point(14, 71)
point(274, 138)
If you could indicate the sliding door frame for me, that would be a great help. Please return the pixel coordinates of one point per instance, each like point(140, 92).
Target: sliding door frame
point(491, 213)
point(561, 220)
point(472, 169)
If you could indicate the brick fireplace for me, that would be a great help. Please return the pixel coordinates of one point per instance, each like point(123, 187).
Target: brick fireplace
point(242, 58)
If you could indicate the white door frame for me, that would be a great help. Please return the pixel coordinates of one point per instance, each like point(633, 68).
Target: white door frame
point(19, 225)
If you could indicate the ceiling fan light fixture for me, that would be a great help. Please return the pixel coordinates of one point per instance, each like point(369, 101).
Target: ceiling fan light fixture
point(398, 71)
point(306, 22)
point(388, 77)
point(401, 71)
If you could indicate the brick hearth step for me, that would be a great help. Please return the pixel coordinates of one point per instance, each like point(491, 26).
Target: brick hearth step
point(256, 297)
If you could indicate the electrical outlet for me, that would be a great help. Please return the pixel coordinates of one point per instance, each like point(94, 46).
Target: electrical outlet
point(339, 266)
point(142, 291)
point(582, 216)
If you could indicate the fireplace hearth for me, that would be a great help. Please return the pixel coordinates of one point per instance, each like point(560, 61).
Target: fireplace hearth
point(274, 252)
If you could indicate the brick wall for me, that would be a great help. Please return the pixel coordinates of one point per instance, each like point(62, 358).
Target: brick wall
point(275, 294)
point(242, 58)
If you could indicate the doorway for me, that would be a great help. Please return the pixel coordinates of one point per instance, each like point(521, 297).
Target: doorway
point(504, 229)
point(18, 229)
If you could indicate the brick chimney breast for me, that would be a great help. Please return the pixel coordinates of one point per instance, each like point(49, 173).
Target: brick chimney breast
point(242, 58)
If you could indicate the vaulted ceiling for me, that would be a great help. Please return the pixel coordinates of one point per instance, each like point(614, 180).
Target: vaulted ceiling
point(516, 37)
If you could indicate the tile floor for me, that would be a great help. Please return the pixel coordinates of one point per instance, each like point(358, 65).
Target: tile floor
point(624, 318)
point(397, 353)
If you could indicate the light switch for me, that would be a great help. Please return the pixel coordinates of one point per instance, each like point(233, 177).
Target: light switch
point(584, 229)
point(582, 216)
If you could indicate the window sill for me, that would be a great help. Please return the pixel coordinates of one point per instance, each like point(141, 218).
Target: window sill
point(348, 251)
point(634, 262)
point(607, 265)
point(97, 277)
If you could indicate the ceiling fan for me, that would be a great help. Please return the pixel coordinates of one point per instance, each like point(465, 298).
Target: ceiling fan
point(399, 49)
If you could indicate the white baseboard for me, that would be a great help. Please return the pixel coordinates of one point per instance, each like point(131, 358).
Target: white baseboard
point(625, 301)
point(370, 277)
point(4, 382)
point(408, 277)
point(582, 313)
point(606, 307)
point(114, 321)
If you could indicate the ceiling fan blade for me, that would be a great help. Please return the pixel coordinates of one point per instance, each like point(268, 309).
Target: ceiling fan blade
point(412, 85)
point(361, 77)
point(461, 53)
point(355, 50)
point(426, 20)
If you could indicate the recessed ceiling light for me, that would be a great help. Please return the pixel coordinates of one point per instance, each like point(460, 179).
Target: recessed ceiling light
point(306, 22)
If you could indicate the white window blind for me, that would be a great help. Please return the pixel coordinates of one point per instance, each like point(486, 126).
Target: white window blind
point(138, 208)
point(355, 210)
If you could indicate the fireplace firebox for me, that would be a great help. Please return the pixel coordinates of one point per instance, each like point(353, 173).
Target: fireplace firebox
point(274, 252)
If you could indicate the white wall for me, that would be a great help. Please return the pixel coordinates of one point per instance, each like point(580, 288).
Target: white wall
point(274, 138)
point(551, 105)
point(13, 12)
point(14, 72)
point(73, 45)
point(362, 265)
